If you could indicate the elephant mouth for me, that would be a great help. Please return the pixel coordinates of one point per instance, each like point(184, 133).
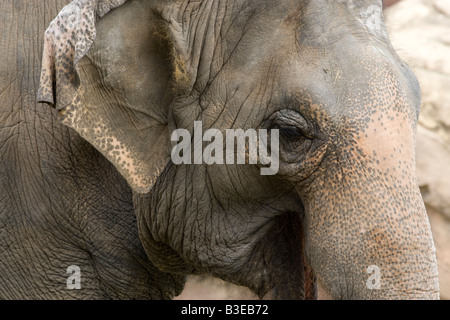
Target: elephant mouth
point(311, 286)
point(289, 259)
point(310, 283)
point(308, 290)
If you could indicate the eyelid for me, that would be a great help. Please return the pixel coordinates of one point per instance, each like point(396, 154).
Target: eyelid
point(287, 117)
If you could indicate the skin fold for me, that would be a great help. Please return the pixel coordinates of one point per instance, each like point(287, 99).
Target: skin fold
point(344, 208)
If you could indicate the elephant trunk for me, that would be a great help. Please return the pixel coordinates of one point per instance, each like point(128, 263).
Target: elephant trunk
point(372, 243)
point(367, 230)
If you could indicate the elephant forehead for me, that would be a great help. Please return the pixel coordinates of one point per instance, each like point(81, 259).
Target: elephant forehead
point(350, 87)
point(249, 61)
point(323, 22)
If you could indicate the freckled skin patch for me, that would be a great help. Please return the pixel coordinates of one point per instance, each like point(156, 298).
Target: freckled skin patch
point(363, 204)
point(346, 196)
point(67, 39)
point(102, 138)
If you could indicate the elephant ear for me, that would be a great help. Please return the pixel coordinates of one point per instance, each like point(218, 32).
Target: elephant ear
point(109, 78)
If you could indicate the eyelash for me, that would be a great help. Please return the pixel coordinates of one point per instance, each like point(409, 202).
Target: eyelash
point(291, 132)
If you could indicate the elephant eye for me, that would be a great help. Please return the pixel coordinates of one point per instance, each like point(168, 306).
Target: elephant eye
point(294, 139)
point(291, 124)
point(291, 132)
point(294, 131)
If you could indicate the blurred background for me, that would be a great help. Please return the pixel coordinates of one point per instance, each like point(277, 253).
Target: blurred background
point(420, 32)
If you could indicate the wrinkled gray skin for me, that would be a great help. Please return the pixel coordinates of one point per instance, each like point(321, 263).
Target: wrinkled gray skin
point(322, 72)
point(61, 202)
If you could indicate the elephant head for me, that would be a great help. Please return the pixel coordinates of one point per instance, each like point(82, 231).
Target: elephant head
point(344, 201)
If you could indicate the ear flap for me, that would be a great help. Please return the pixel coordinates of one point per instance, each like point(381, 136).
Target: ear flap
point(109, 80)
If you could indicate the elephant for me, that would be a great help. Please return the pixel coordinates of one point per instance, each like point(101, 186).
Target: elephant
point(91, 188)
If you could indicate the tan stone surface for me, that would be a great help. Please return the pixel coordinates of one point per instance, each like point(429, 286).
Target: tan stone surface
point(209, 288)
